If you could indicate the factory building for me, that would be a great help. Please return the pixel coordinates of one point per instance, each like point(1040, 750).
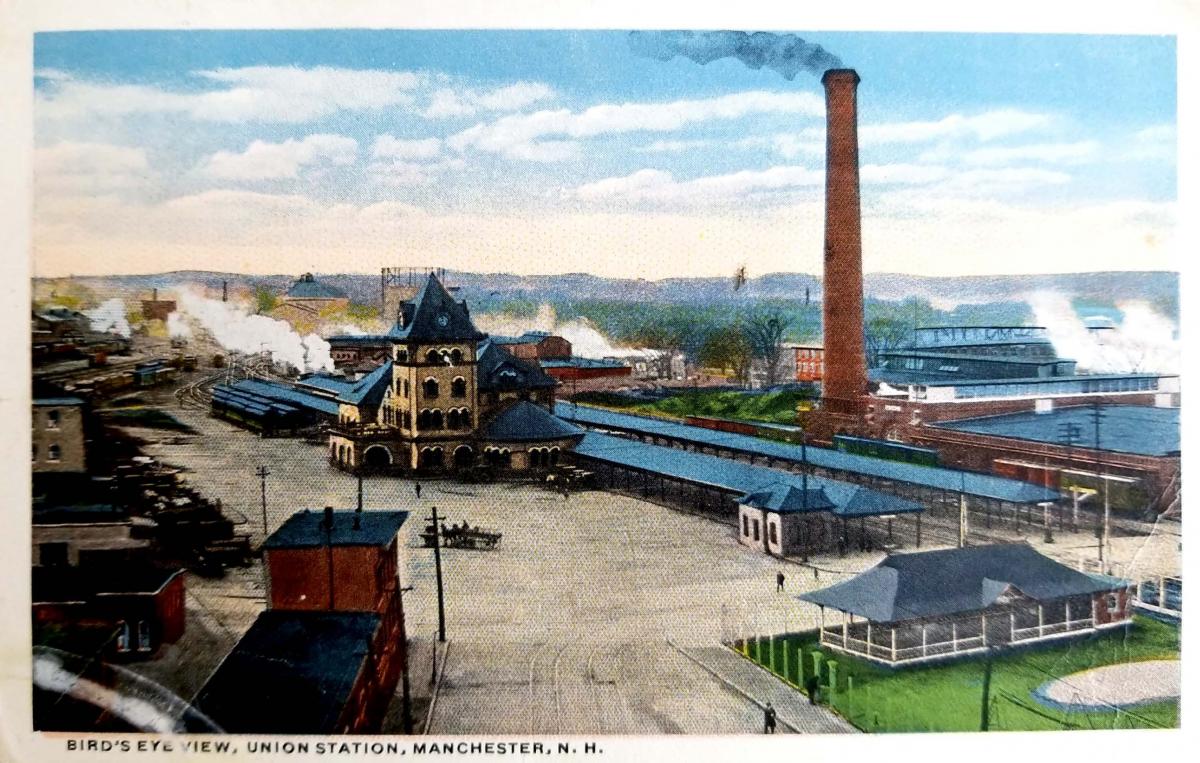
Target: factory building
point(58, 435)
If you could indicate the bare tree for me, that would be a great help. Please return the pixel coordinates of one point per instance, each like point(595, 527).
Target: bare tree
point(765, 329)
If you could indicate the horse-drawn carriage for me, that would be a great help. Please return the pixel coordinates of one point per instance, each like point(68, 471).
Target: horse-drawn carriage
point(463, 536)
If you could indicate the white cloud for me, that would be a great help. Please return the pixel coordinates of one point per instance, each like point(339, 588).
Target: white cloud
point(657, 185)
point(272, 94)
point(984, 127)
point(389, 147)
point(672, 146)
point(466, 102)
point(272, 161)
point(399, 173)
point(1155, 143)
point(1042, 152)
point(83, 167)
point(523, 136)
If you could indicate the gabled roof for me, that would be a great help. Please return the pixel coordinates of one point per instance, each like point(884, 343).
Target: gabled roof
point(529, 337)
point(307, 287)
point(306, 529)
point(281, 393)
point(952, 581)
point(499, 369)
point(786, 498)
point(526, 422)
point(292, 672)
point(369, 389)
point(435, 316)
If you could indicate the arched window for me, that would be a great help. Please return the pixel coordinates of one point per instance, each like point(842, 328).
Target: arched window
point(401, 354)
point(452, 419)
point(52, 419)
point(430, 387)
point(456, 356)
point(431, 356)
point(553, 457)
point(458, 387)
point(431, 458)
point(464, 415)
point(55, 453)
point(506, 457)
point(535, 457)
point(435, 419)
point(423, 419)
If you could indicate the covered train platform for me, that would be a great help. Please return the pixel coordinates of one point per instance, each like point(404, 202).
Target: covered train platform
point(993, 504)
point(842, 516)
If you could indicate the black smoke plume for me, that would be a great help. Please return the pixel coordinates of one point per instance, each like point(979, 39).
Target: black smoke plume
point(784, 53)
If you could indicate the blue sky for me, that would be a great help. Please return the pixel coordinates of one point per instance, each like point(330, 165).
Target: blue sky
point(564, 151)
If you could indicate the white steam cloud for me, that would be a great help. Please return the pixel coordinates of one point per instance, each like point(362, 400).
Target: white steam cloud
point(586, 340)
point(177, 327)
point(1145, 341)
point(109, 317)
point(235, 328)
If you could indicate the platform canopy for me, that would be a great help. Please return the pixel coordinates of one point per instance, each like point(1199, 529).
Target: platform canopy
point(844, 499)
point(952, 480)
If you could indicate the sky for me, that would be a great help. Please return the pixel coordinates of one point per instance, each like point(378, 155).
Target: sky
point(558, 151)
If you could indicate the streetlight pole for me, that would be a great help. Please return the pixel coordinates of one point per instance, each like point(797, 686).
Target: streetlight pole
point(262, 475)
point(437, 560)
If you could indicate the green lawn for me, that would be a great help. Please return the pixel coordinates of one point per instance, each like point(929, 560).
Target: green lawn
point(948, 697)
point(771, 407)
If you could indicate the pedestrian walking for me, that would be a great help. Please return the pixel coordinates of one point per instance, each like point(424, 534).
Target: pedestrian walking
point(779, 581)
point(768, 719)
point(417, 489)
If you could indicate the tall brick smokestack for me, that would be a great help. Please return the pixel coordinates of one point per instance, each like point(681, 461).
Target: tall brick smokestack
point(845, 377)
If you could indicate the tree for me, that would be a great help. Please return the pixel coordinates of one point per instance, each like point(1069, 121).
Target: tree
point(728, 348)
point(765, 329)
point(265, 299)
point(883, 333)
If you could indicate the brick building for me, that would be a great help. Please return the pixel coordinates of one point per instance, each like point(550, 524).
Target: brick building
point(58, 435)
point(327, 654)
point(810, 363)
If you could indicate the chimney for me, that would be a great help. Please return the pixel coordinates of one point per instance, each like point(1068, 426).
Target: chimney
point(328, 518)
point(845, 378)
point(224, 291)
point(155, 296)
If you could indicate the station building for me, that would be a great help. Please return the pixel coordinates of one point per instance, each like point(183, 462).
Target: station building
point(447, 398)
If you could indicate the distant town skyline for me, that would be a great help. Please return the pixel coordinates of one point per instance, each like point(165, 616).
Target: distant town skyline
point(555, 152)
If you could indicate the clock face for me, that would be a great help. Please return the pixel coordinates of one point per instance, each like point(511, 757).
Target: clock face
point(443, 320)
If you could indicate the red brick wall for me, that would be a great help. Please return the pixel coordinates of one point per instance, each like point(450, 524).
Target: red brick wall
point(300, 577)
point(554, 347)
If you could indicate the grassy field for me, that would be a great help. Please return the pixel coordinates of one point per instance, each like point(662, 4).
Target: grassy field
point(771, 407)
point(948, 697)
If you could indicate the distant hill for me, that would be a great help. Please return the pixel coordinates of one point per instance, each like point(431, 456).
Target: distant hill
point(486, 290)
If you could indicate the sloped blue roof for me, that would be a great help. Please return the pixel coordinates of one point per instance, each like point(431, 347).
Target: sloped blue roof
point(292, 672)
point(499, 369)
point(307, 287)
point(525, 422)
point(578, 362)
point(952, 581)
point(735, 476)
point(435, 316)
point(973, 483)
point(1135, 429)
point(329, 382)
point(787, 498)
point(352, 339)
point(369, 389)
point(287, 394)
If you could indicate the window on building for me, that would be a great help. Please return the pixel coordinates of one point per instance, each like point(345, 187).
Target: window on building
point(123, 636)
point(1113, 602)
point(430, 387)
point(54, 453)
point(35, 453)
point(436, 420)
point(771, 532)
point(52, 419)
point(456, 356)
point(755, 522)
point(431, 356)
point(401, 354)
point(452, 421)
point(464, 415)
point(745, 526)
point(143, 636)
point(458, 387)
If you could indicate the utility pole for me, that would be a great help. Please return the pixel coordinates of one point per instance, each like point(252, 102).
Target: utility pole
point(804, 487)
point(360, 488)
point(262, 475)
point(1068, 435)
point(1102, 531)
point(437, 561)
point(984, 714)
point(963, 526)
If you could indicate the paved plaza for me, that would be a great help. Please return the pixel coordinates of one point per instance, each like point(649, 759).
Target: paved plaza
point(577, 623)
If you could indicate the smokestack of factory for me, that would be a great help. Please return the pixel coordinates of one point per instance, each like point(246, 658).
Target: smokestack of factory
point(845, 381)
